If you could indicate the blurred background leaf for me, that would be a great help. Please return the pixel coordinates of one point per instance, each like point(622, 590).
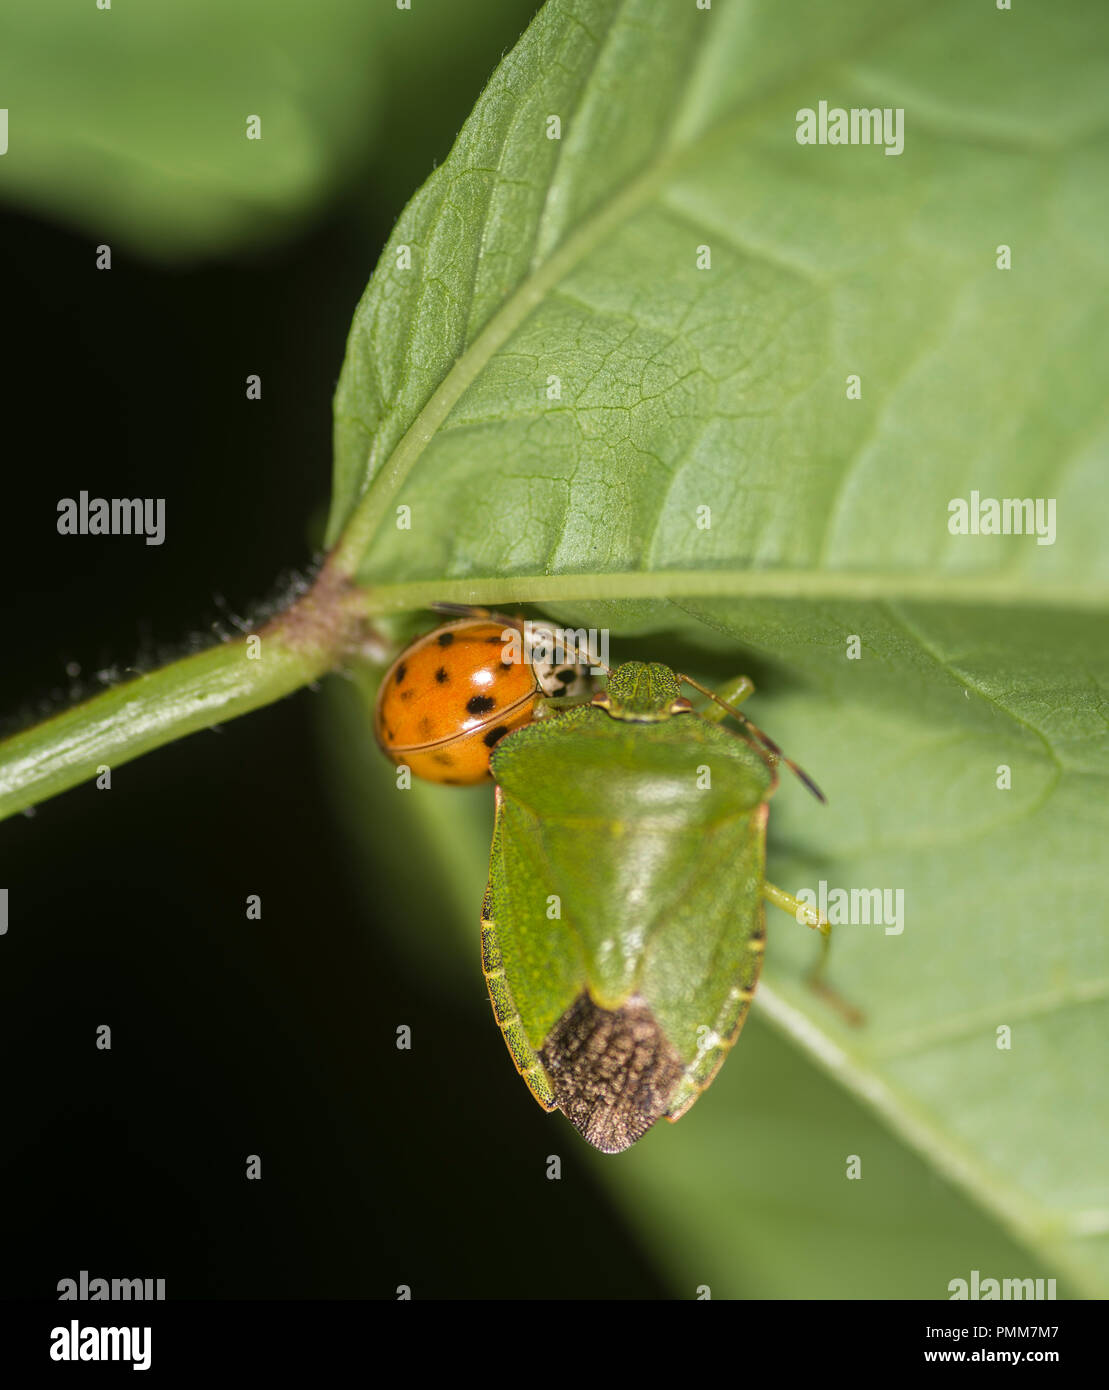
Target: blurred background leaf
point(130, 123)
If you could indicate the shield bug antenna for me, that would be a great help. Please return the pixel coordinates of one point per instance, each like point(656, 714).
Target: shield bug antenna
point(752, 728)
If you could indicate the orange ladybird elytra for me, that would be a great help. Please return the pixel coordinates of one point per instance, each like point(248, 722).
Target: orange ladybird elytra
point(452, 695)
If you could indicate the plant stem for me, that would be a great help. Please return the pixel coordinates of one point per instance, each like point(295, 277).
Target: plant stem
point(193, 693)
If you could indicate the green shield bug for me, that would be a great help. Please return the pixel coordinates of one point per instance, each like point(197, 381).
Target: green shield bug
point(623, 926)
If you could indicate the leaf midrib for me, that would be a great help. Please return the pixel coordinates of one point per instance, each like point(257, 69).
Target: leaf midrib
point(1021, 1213)
point(819, 586)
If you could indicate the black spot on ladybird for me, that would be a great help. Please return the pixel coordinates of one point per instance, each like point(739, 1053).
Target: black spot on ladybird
point(446, 638)
point(402, 671)
point(442, 675)
point(495, 735)
point(451, 782)
point(425, 726)
point(480, 704)
point(443, 759)
point(407, 694)
point(497, 641)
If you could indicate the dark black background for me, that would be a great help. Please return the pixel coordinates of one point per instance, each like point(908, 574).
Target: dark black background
point(126, 906)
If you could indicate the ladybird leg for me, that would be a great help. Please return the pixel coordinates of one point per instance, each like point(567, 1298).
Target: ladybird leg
point(808, 916)
point(745, 686)
point(468, 610)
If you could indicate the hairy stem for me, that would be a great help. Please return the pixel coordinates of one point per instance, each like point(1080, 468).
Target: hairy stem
point(193, 693)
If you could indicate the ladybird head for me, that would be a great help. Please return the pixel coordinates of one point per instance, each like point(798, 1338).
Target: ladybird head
point(561, 661)
point(642, 692)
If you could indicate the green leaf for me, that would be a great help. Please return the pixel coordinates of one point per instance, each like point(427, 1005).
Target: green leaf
point(577, 259)
point(681, 388)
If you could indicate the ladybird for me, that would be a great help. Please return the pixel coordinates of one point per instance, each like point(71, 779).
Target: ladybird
point(451, 696)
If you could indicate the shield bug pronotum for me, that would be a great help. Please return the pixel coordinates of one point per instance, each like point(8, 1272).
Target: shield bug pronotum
point(623, 926)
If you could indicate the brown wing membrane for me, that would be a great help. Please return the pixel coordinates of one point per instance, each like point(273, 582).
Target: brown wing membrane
point(612, 1071)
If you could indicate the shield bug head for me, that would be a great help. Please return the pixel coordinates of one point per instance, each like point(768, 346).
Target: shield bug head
point(642, 693)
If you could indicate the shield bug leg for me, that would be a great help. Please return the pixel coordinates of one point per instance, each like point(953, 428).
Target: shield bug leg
point(852, 1016)
point(741, 689)
point(809, 917)
point(799, 911)
point(746, 687)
